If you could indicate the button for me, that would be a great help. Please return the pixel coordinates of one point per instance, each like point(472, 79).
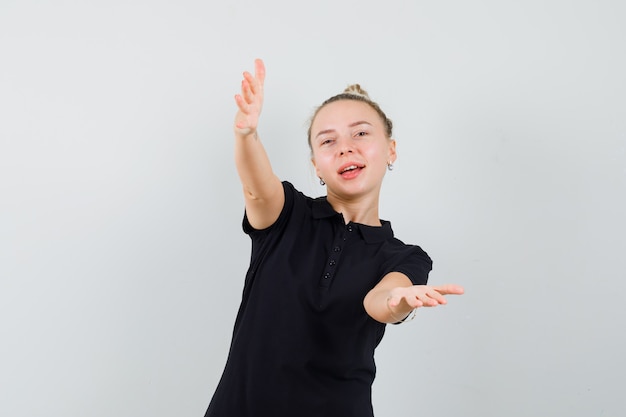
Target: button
point(332, 262)
point(327, 275)
point(337, 249)
point(349, 228)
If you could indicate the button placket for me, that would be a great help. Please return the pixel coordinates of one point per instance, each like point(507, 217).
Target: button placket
point(333, 260)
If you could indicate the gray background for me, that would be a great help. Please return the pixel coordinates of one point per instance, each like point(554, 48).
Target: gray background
point(121, 253)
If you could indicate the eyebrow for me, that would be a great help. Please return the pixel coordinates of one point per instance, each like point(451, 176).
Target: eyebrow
point(360, 122)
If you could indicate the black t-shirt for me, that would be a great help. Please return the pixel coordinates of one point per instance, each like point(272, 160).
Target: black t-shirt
point(303, 344)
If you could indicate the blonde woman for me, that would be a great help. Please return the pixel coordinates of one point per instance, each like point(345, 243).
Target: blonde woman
point(326, 274)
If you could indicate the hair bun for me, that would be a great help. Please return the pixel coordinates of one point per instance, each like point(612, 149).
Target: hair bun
point(356, 90)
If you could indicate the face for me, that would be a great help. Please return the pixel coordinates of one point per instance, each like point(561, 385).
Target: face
point(350, 148)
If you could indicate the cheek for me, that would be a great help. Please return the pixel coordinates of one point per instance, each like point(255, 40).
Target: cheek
point(320, 162)
point(377, 155)
point(326, 164)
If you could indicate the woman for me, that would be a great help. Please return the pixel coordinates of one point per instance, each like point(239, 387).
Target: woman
point(326, 274)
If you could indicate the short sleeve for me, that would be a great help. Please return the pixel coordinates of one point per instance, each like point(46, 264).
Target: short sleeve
point(289, 191)
point(413, 262)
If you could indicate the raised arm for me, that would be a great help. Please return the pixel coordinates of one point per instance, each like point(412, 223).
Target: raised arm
point(263, 191)
point(394, 297)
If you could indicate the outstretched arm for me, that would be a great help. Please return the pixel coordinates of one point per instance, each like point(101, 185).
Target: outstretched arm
point(263, 191)
point(395, 296)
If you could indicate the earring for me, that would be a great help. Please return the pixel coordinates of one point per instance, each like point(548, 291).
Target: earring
point(322, 182)
point(389, 166)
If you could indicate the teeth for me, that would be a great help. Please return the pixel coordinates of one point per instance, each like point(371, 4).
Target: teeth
point(350, 168)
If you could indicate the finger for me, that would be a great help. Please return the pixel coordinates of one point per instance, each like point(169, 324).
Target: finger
point(409, 299)
point(413, 301)
point(417, 303)
point(428, 301)
point(436, 296)
point(428, 296)
point(449, 289)
point(259, 71)
point(241, 103)
point(241, 122)
point(246, 91)
point(394, 301)
point(255, 87)
point(251, 82)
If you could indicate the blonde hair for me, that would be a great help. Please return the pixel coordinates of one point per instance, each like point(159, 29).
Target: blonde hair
point(356, 93)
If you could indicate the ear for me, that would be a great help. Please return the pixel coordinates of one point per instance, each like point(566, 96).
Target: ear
point(317, 171)
point(392, 156)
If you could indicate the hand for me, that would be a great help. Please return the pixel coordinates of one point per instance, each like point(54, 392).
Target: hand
point(250, 101)
point(420, 296)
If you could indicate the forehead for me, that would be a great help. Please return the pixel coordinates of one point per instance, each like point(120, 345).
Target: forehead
point(344, 112)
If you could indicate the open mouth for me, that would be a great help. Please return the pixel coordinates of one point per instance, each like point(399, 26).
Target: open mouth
point(350, 171)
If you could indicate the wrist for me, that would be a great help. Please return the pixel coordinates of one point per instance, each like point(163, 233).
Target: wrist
point(400, 316)
point(246, 134)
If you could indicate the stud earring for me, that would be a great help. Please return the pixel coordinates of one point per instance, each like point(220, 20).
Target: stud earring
point(389, 166)
point(322, 182)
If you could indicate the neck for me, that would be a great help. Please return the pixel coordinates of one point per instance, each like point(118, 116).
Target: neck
point(362, 210)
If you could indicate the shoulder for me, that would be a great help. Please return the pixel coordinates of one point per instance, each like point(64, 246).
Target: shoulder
point(295, 203)
point(405, 250)
point(409, 259)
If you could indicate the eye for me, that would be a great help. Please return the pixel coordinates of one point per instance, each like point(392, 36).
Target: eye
point(326, 141)
point(361, 133)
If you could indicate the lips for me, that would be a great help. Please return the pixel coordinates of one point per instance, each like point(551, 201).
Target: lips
point(350, 170)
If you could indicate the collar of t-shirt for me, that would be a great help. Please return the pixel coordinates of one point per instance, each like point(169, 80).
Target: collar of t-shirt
point(371, 234)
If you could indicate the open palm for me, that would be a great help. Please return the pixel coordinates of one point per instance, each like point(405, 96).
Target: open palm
point(250, 101)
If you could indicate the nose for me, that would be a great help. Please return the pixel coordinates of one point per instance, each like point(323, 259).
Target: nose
point(346, 147)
